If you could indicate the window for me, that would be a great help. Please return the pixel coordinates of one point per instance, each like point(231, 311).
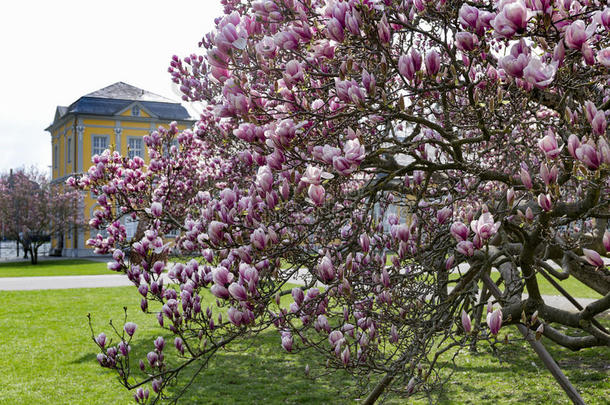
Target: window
point(135, 147)
point(173, 143)
point(55, 157)
point(131, 227)
point(69, 150)
point(135, 111)
point(100, 144)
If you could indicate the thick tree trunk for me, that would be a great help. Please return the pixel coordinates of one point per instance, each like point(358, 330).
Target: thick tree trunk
point(596, 279)
point(34, 255)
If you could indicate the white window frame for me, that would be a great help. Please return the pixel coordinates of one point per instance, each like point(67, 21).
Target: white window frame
point(69, 149)
point(97, 151)
point(130, 151)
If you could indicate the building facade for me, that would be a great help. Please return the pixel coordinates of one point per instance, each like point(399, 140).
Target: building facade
point(119, 115)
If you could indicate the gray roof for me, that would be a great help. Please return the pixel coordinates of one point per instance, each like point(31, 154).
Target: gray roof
point(124, 91)
point(113, 99)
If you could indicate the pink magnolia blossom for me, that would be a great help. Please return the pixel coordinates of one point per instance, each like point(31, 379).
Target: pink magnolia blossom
point(588, 155)
point(156, 209)
point(606, 240)
point(590, 110)
point(573, 145)
point(215, 231)
point(326, 269)
point(576, 35)
point(130, 328)
point(369, 82)
point(354, 151)
point(287, 341)
point(222, 276)
point(335, 338)
point(220, 291)
point(549, 176)
point(494, 321)
point(539, 75)
point(466, 41)
point(549, 146)
point(511, 19)
point(599, 123)
point(365, 242)
point(238, 292)
point(406, 66)
point(345, 356)
point(316, 193)
point(449, 262)
point(514, 65)
point(433, 63)
point(465, 247)
point(526, 179)
point(545, 202)
point(293, 73)
point(459, 231)
point(603, 57)
point(510, 196)
point(466, 324)
point(383, 30)
point(258, 238)
point(468, 16)
point(485, 227)
point(593, 258)
point(235, 316)
point(443, 215)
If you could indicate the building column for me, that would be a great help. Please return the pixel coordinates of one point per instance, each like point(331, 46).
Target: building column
point(117, 135)
point(80, 130)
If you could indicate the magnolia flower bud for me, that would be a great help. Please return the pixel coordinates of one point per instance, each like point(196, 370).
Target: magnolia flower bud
point(365, 242)
point(156, 209)
point(466, 324)
point(433, 63)
point(510, 197)
point(287, 341)
point(494, 321)
point(238, 292)
point(593, 258)
point(101, 339)
point(130, 328)
point(526, 179)
point(539, 331)
point(345, 354)
point(466, 248)
point(544, 201)
point(599, 123)
point(548, 145)
point(606, 240)
point(459, 231)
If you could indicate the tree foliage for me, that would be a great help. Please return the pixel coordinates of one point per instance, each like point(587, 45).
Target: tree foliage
point(368, 149)
point(32, 210)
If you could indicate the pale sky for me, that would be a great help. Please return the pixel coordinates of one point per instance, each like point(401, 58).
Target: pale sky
point(53, 52)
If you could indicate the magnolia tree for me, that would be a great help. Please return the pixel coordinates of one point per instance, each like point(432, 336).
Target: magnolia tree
point(32, 210)
point(368, 150)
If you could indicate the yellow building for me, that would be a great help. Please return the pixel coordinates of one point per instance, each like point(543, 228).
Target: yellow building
point(119, 115)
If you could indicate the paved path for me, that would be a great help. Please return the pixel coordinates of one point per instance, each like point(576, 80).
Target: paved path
point(118, 280)
point(61, 282)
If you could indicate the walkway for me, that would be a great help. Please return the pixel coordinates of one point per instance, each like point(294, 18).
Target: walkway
point(118, 280)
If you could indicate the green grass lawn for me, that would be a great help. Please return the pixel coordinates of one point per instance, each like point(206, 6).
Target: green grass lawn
point(59, 267)
point(47, 357)
point(571, 285)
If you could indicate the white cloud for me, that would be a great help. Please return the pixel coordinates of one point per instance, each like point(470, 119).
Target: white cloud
point(55, 52)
